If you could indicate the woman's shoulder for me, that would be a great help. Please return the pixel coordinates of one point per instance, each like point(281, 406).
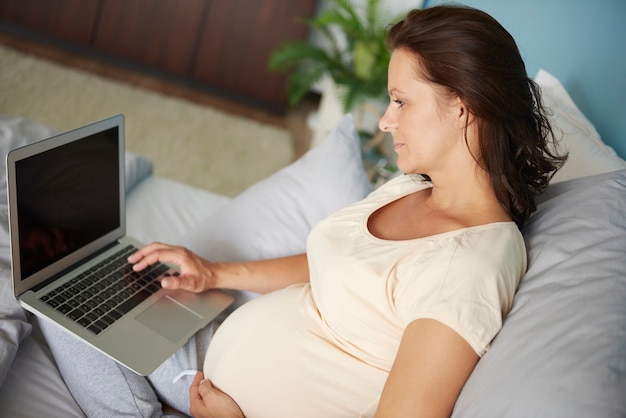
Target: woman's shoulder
point(492, 235)
point(494, 244)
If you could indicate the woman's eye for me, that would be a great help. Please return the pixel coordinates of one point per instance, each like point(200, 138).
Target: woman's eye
point(400, 103)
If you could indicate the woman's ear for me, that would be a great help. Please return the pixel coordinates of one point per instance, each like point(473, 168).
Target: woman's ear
point(458, 107)
point(465, 117)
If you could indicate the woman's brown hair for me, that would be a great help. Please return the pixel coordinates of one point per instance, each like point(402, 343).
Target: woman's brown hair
point(468, 52)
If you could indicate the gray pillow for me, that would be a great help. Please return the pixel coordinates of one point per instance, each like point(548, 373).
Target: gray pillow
point(562, 349)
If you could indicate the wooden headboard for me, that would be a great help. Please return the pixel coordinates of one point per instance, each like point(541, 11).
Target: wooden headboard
point(582, 43)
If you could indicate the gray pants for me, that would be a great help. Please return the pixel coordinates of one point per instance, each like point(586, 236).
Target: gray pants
point(103, 388)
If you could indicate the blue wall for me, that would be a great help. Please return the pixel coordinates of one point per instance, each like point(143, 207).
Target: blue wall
point(582, 43)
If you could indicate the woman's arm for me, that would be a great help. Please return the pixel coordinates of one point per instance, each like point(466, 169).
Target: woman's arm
point(198, 274)
point(264, 276)
point(430, 369)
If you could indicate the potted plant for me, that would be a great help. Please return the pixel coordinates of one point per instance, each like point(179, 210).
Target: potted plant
point(353, 66)
point(355, 56)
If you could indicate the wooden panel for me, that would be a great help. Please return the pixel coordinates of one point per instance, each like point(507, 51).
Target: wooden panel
point(237, 40)
point(157, 33)
point(70, 20)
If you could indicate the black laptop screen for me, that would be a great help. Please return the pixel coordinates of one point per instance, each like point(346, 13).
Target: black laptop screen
point(66, 198)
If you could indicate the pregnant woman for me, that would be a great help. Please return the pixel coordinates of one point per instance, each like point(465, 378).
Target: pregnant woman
point(398, 295)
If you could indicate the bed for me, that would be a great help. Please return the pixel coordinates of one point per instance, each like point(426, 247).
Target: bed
point(562, 349)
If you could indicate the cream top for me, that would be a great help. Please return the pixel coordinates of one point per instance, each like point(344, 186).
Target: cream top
point(325, 348)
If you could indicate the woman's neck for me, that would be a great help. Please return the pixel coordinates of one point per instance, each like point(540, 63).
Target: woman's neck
point(467, 195)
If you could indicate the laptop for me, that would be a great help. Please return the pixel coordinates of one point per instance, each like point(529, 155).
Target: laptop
point(69, 247)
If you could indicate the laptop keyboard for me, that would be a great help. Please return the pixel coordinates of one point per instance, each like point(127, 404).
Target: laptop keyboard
point(103, 294)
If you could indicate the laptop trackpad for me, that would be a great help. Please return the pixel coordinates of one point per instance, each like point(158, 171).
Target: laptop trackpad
point(165, 318)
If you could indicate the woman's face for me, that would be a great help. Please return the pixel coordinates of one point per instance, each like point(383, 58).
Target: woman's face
point(425, 124)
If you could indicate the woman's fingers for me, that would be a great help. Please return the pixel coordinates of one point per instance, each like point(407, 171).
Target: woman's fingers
point(195, 385)
point(156, 252)
point(208, 401)
point(193, 270)
point(189, 282)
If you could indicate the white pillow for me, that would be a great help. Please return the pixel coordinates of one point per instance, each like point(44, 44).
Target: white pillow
point(273, 217)
point(588, 155)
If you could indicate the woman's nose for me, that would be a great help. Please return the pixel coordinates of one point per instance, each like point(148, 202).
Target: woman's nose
point(385, 123)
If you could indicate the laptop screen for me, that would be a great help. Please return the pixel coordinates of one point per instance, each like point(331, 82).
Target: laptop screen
point(67, 197)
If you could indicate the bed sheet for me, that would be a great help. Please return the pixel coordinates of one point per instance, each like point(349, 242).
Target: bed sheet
point(158, 209)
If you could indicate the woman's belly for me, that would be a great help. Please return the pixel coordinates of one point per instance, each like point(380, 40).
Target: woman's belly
point(275, 359)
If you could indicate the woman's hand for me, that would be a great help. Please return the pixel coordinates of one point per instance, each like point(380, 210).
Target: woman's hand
point(207, 401)
point(196, 274)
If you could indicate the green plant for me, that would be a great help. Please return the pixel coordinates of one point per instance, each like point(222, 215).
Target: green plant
point(359, 68)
